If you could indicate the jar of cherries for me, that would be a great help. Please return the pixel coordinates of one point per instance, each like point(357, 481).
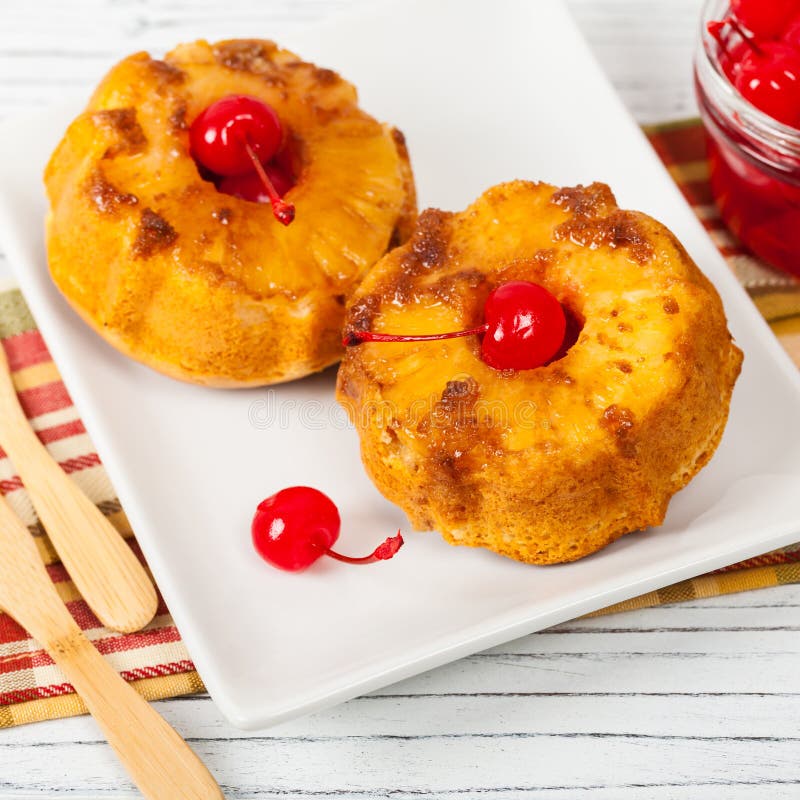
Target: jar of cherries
point(747, 76)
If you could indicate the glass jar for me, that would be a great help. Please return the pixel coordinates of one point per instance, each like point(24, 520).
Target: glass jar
point(754, 160)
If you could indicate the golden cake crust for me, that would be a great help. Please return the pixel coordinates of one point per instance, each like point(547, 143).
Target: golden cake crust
point(551, 464)
point(204, 286)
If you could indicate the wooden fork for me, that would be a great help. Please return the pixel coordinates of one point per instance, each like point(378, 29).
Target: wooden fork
point(160, 763)
point(104, 569)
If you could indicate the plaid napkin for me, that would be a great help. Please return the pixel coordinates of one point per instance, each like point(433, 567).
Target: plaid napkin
point(155, 660)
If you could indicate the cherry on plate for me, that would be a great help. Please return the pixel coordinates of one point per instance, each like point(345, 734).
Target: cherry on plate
point(295, 527)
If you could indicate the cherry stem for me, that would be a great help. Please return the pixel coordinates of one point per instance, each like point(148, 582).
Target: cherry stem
point(383, 552)
point(283, 211)
point(353, 338)
point(715, 29)
point(748, 40)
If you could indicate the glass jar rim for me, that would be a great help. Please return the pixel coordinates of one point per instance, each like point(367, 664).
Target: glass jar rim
point(759, 126)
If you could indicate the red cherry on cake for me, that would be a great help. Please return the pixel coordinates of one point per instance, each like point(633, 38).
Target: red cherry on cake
point(765, 19)
point(219, 134)
point(770, 80)
point(236, 136)
point(524, 327)
point(298, 525)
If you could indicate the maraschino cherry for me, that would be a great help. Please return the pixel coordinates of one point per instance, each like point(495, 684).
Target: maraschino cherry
point(523, 328)
point(234, 138)
point(731, 53)
point(791, 35)
point(766, 72)
point(770, 79)
point(298, 525)
point(765, 19)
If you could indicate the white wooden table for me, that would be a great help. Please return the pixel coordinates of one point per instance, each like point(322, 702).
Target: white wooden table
point(695, 701)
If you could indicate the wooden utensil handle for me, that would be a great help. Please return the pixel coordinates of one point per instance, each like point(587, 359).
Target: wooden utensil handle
point(104, 569)
point(160, 763)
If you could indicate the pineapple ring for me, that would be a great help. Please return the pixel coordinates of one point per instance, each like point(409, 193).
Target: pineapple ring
point(549, 464)
point(204, 286)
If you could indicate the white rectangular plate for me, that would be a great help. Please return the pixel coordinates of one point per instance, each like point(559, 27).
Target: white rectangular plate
point(484, 92)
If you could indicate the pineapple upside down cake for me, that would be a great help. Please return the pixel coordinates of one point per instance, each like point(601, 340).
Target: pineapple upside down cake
point(538, 374)
point(211, 212)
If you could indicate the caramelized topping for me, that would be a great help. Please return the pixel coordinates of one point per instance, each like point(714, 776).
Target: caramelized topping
point(166, 74)
point(106, 197)
point(585, 201)
point(124, 126)
point(618, 421)
point(596, 221)
point(154, 234)
point(671, 305)
point(246, 55)
point(429, 242)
